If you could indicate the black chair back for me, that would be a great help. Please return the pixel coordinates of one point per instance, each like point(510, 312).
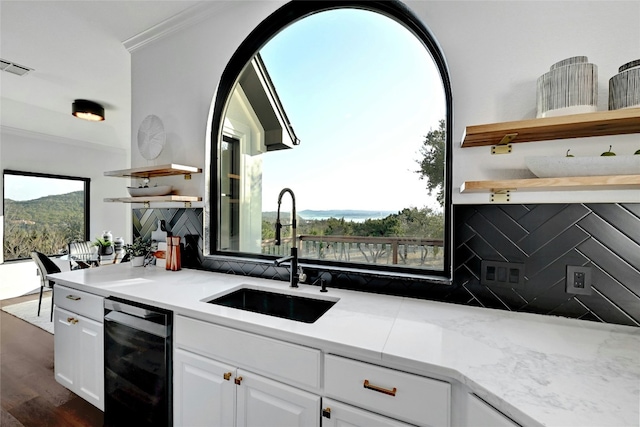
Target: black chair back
point(46, 266)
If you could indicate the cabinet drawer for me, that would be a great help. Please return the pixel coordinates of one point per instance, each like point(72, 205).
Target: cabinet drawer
point(279, 360)
point(400, 395)
point(79, 302)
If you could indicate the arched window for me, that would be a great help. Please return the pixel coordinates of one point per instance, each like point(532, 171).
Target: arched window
point(348, 104)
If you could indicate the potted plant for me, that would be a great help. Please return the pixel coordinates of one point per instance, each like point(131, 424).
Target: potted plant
point(138, 250)
point(104, 246)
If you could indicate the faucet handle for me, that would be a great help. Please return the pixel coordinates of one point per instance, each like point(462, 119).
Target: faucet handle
point(278, 232)
point(302, 276)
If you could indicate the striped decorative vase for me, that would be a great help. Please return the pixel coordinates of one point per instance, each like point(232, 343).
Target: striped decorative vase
point(624, 87)
point(570, 87)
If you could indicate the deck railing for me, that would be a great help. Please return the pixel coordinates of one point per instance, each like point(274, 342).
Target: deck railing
point(408, 251)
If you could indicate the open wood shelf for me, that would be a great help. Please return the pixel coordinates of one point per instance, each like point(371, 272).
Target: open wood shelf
point(612, 182)
point(154, 171)
point(602, 123)
point(150, 199)
point(151, 172)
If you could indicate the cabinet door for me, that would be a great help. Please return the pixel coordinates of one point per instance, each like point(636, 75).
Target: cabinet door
point(90, 361)
point(481, 414)
point(266, 403)
point(336, 414)
point(64, 347)
point(203, 391)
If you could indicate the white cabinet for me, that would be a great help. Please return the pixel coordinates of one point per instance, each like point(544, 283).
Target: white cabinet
point(267, 403)
point(204, 391)
point(288, 363)
point(79, 344)
point(400, 395)
point(79, 353)
point(216, 381)
point(210, 393)
point(337, 414)
point(481, 414)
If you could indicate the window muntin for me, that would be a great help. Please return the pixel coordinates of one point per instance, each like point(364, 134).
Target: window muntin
point(43, 212)
point(369, 250)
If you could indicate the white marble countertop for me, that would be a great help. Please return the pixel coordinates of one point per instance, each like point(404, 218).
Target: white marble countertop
point(540, 370)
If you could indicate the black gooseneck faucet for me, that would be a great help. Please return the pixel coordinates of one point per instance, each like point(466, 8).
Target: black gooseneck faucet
point(295, 275)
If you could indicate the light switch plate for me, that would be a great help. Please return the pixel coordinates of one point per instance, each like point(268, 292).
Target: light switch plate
point(578, 280)
point(502, 274)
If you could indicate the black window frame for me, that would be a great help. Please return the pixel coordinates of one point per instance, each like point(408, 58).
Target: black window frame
point(278, 20)
point(87, 198)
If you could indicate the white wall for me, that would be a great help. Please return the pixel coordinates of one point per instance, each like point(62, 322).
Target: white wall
point(175, 78)
point(495, 52)
point(33, 152)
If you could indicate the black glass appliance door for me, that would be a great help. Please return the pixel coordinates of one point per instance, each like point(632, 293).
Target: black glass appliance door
point(137, 370)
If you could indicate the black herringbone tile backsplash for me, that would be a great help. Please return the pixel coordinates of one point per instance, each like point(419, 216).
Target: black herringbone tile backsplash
point(186, 223)
point(545, 238)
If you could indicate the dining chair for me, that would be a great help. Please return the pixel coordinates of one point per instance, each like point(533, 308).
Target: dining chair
point(46, 266)
point(80, 250)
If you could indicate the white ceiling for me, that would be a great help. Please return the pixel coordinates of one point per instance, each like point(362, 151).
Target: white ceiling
point(76, 50)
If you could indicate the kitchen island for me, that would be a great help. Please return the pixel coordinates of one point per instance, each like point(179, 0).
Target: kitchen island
point(536, 370)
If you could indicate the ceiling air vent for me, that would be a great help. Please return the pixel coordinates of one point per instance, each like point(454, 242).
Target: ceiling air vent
point(13, 68)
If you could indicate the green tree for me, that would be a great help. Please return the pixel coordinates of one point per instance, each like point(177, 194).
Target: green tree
point(338, 227)
point(385, 227)
point(268, 230)
point(46, 224)
point(423, 222)
point(432, 164)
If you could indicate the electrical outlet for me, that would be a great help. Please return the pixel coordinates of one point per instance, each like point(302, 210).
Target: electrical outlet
point(578, 280)
point(502, 274)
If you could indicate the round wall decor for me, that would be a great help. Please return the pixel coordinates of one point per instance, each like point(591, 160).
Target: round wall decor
point(151, 137)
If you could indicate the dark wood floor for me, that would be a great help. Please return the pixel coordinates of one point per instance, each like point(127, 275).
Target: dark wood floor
point(29, 394)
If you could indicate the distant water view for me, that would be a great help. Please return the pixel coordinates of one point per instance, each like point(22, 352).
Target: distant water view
point(348, 215)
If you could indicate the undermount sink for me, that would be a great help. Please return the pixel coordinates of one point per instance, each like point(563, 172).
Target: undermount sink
point(292, 307)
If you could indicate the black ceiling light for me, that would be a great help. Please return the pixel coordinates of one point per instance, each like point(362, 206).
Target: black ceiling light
point(87, 110)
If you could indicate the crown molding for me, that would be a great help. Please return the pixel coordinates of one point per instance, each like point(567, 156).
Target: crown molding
point(186, 18)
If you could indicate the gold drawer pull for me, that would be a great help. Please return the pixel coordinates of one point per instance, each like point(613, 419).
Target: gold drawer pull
point(380, 389)
point(73, 297)
point(238, 380)
point(72, 320)
point(226, 376)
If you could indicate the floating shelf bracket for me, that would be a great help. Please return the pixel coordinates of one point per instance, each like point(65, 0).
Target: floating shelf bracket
point(504, 146)
point(500, 196)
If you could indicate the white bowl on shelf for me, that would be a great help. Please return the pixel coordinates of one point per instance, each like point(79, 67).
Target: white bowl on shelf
point(561, 166)
point(159, 190)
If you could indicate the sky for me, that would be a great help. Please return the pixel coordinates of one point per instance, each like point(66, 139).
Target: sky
point(19, 187)
point(361, 92)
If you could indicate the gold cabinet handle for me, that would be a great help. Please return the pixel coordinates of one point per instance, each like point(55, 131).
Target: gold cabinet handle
point(72, 320)
point(326, 412)
point(74, 297)
point(238, 380)
point(391, 392)
point(226, 376)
